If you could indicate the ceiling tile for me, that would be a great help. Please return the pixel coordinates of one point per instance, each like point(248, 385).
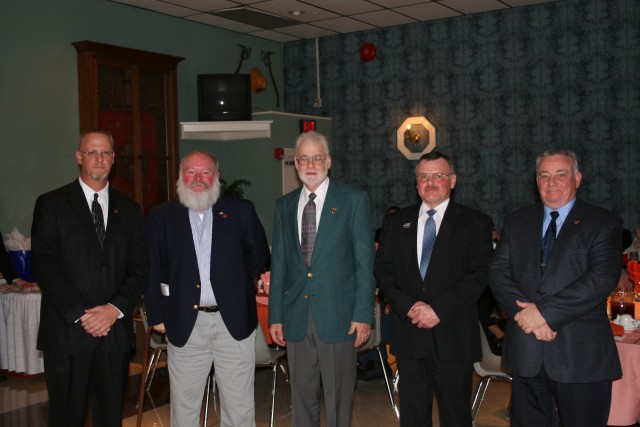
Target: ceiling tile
point(345, 7)
point(305, 31)
point(427, 11)
point(274, 35)
point(228, 24)
point(159, 6)
point(473, 6)
point(384, 18)
point(343, 25)
point(283, 7)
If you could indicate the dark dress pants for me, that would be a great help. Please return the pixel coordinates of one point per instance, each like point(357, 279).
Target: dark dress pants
point(540, 402)
point(72, 377)
point(451, 382)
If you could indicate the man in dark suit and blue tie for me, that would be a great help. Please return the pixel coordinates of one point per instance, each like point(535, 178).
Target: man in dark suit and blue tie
point(432, 266)
point(322, 285)
point(551, 274)
point(89, 257)
point(206, 249)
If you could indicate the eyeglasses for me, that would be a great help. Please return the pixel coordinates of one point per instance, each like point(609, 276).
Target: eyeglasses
point(422, 177)
point(96, 154)
point(305, 160)
point(560, 176)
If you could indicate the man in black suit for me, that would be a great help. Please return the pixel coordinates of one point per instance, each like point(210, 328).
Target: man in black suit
point(432, 267)
point(553, 290)
point(206, 250)
point(91, 278)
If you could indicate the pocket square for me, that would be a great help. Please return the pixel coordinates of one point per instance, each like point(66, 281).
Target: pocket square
point(406, 225)
point(164, 289)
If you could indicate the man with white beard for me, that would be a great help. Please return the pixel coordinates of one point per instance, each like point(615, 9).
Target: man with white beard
point(205, 251)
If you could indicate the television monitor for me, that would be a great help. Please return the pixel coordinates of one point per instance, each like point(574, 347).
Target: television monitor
point(224, 97)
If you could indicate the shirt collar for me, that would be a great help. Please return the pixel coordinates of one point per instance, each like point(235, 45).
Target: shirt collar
point(321, 191)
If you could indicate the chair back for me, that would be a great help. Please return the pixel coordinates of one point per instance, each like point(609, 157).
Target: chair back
point(156, 341)
point(490, 363)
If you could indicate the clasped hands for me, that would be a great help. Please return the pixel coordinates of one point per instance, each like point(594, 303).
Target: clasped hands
point(98, 320)
point(531, 321)
point(423, 316)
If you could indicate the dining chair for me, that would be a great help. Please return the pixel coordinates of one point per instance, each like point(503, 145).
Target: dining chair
point(274, 358)
point(489, 368)
point(373, 344)
point(154, 346)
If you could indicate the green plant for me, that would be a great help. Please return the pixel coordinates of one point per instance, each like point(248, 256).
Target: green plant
point(234, 189)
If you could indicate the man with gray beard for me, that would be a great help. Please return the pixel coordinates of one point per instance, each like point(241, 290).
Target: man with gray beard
point(205, 252)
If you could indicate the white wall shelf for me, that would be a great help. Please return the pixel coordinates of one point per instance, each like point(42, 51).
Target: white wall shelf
point(226, 131)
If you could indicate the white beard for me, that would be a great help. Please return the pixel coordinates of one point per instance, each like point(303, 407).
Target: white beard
point(318, 179)
point(200, 201)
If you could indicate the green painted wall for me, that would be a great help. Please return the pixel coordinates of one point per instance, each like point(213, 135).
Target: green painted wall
point(39, 91)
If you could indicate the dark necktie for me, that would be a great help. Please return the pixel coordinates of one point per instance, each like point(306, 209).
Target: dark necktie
point(428, 239)
point(98, 218)
point(308, 229)
point(549, 239)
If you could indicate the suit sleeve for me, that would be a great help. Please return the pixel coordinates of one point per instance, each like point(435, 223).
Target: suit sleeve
point(278, 268)
point(50, 271)
point(137, 265)
point(152, 295)
point(385, 269)
point(364, 253)
point(593, 286)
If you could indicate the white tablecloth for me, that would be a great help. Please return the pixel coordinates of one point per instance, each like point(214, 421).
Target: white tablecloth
point(19, 321)
point(625, 396)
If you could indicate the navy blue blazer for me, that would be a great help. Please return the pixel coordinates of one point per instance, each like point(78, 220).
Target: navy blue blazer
point(239, 252)
point(583, 268)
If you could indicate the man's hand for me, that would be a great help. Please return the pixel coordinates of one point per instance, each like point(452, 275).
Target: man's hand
point(277, 334)
point(362, 330)
point(529, 318)
point(98, 320)
point(159, 328)
point(423, 316)
point(544, 333)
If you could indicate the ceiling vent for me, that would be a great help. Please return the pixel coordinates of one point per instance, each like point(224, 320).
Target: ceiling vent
point(252, 17)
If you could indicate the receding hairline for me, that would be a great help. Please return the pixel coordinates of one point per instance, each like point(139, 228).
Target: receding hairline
point(104, 132)
point(213, 158)
point(433, 156)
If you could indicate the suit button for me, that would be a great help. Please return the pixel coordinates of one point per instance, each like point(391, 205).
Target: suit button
point(195, 306)
point(540, 292)
point(197, 285)
point(309, 274)
point(306, 296)
point(424, 289)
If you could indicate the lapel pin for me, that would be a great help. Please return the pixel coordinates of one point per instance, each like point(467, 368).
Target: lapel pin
point(115, 211)
point(334, 210)
point(223, 214)
point(406, 225)
point(576, 222)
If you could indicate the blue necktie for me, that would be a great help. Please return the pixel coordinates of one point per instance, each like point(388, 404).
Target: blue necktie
point(549, 239)
point(428, 239)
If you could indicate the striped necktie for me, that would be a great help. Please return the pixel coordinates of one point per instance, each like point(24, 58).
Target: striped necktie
point(98, 219)
point(308, 239)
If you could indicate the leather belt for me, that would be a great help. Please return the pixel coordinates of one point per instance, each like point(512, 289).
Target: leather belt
point(209, 308)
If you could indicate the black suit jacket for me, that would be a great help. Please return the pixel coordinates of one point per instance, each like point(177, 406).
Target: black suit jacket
point(238, 254)
point(571, 294)
point(75, 273)
point(456, 277)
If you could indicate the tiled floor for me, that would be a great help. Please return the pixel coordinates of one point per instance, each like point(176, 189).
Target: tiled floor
point(23, 403)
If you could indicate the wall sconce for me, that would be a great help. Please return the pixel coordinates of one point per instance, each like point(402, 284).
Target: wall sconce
point(415, 137)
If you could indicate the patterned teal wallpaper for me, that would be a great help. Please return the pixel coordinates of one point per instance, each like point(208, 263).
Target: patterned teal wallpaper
point(500, 87)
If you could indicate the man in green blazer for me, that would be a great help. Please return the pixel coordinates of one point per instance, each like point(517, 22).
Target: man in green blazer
point(322, 285)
